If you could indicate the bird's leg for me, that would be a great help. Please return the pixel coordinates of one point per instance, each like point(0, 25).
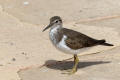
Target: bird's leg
point(74, 69)
point(76, 60)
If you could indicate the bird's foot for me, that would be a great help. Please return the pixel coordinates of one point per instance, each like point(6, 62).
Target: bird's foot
point(70, 71)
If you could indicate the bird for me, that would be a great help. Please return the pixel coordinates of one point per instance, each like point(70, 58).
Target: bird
point(70, 41)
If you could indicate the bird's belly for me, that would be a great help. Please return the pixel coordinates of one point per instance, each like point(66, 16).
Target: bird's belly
point(66, 49)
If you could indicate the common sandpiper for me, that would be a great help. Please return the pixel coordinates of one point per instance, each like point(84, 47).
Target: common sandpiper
point(70, 41)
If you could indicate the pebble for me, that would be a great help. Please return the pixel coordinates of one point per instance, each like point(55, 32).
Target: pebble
point(13, 59)
point(26, 3)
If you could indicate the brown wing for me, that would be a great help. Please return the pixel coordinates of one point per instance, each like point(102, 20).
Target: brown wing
point(77, 40)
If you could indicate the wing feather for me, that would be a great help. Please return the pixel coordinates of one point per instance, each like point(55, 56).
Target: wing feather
point(77, 40)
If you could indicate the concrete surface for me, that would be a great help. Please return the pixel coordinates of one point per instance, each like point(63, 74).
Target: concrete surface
point(23, 48)
point(92, 67)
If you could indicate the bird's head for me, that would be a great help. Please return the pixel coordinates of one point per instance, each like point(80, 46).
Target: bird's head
point(54, 21)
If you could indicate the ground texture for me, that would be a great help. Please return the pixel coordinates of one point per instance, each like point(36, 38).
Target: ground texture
point(27, 54)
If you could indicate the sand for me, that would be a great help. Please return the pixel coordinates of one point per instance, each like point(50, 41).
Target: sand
point(25, 48)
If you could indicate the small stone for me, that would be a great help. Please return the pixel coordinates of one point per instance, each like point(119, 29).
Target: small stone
point(13, 59)
point(11, 43)
point(80, 10)
point(26, 3)
point(24, 53)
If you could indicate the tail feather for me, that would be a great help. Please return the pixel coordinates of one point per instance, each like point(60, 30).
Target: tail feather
point(107, 44)
point(103, 42)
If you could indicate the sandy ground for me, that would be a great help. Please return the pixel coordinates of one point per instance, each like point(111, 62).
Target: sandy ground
point(24, 54)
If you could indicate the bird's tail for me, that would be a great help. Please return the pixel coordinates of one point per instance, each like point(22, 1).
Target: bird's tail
point(103, 42)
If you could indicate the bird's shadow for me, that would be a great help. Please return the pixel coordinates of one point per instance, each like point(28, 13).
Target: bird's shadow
point(64, 65)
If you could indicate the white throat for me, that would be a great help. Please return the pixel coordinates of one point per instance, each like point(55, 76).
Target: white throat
point(53, 33)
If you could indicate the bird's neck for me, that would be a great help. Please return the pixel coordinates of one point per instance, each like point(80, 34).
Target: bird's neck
point(54, 34)
point(56, 27)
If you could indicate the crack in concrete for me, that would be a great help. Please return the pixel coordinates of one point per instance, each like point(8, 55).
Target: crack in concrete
point(98, 19)
point(80, 21)
point(22, 22)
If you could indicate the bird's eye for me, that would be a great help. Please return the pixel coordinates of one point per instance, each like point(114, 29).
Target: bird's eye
point(56, 21)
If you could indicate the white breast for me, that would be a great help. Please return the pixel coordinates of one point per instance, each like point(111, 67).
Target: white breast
point(62, 43)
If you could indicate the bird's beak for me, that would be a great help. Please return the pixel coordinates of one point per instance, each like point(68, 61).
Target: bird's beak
point(47, 27)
